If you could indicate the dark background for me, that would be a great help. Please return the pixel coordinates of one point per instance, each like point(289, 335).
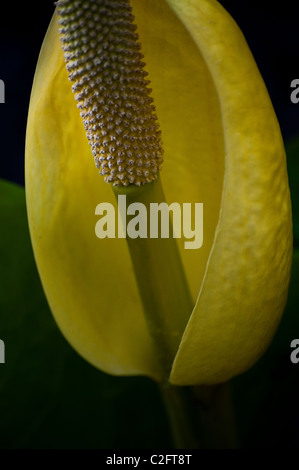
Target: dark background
point(53, 398)
point(270, 29)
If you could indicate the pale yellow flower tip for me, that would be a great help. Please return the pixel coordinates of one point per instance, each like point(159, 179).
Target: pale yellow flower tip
point(222, 147)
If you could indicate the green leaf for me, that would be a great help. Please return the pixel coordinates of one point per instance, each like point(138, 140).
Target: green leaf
point(49, 396)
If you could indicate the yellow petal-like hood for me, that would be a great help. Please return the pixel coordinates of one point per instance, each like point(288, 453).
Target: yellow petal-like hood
point(246, 281)
point(222, 147)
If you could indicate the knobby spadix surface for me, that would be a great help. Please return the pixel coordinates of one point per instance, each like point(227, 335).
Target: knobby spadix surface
point(222, 147)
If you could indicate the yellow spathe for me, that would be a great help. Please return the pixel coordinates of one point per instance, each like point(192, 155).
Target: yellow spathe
point(222, 147)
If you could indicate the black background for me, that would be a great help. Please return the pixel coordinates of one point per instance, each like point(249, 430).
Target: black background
point(270, 29)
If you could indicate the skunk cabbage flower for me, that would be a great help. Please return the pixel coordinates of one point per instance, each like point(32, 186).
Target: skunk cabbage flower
point(222, 147)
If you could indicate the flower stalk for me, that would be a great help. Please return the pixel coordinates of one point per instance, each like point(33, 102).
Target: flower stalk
point(160, 276)
point(199, 417)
